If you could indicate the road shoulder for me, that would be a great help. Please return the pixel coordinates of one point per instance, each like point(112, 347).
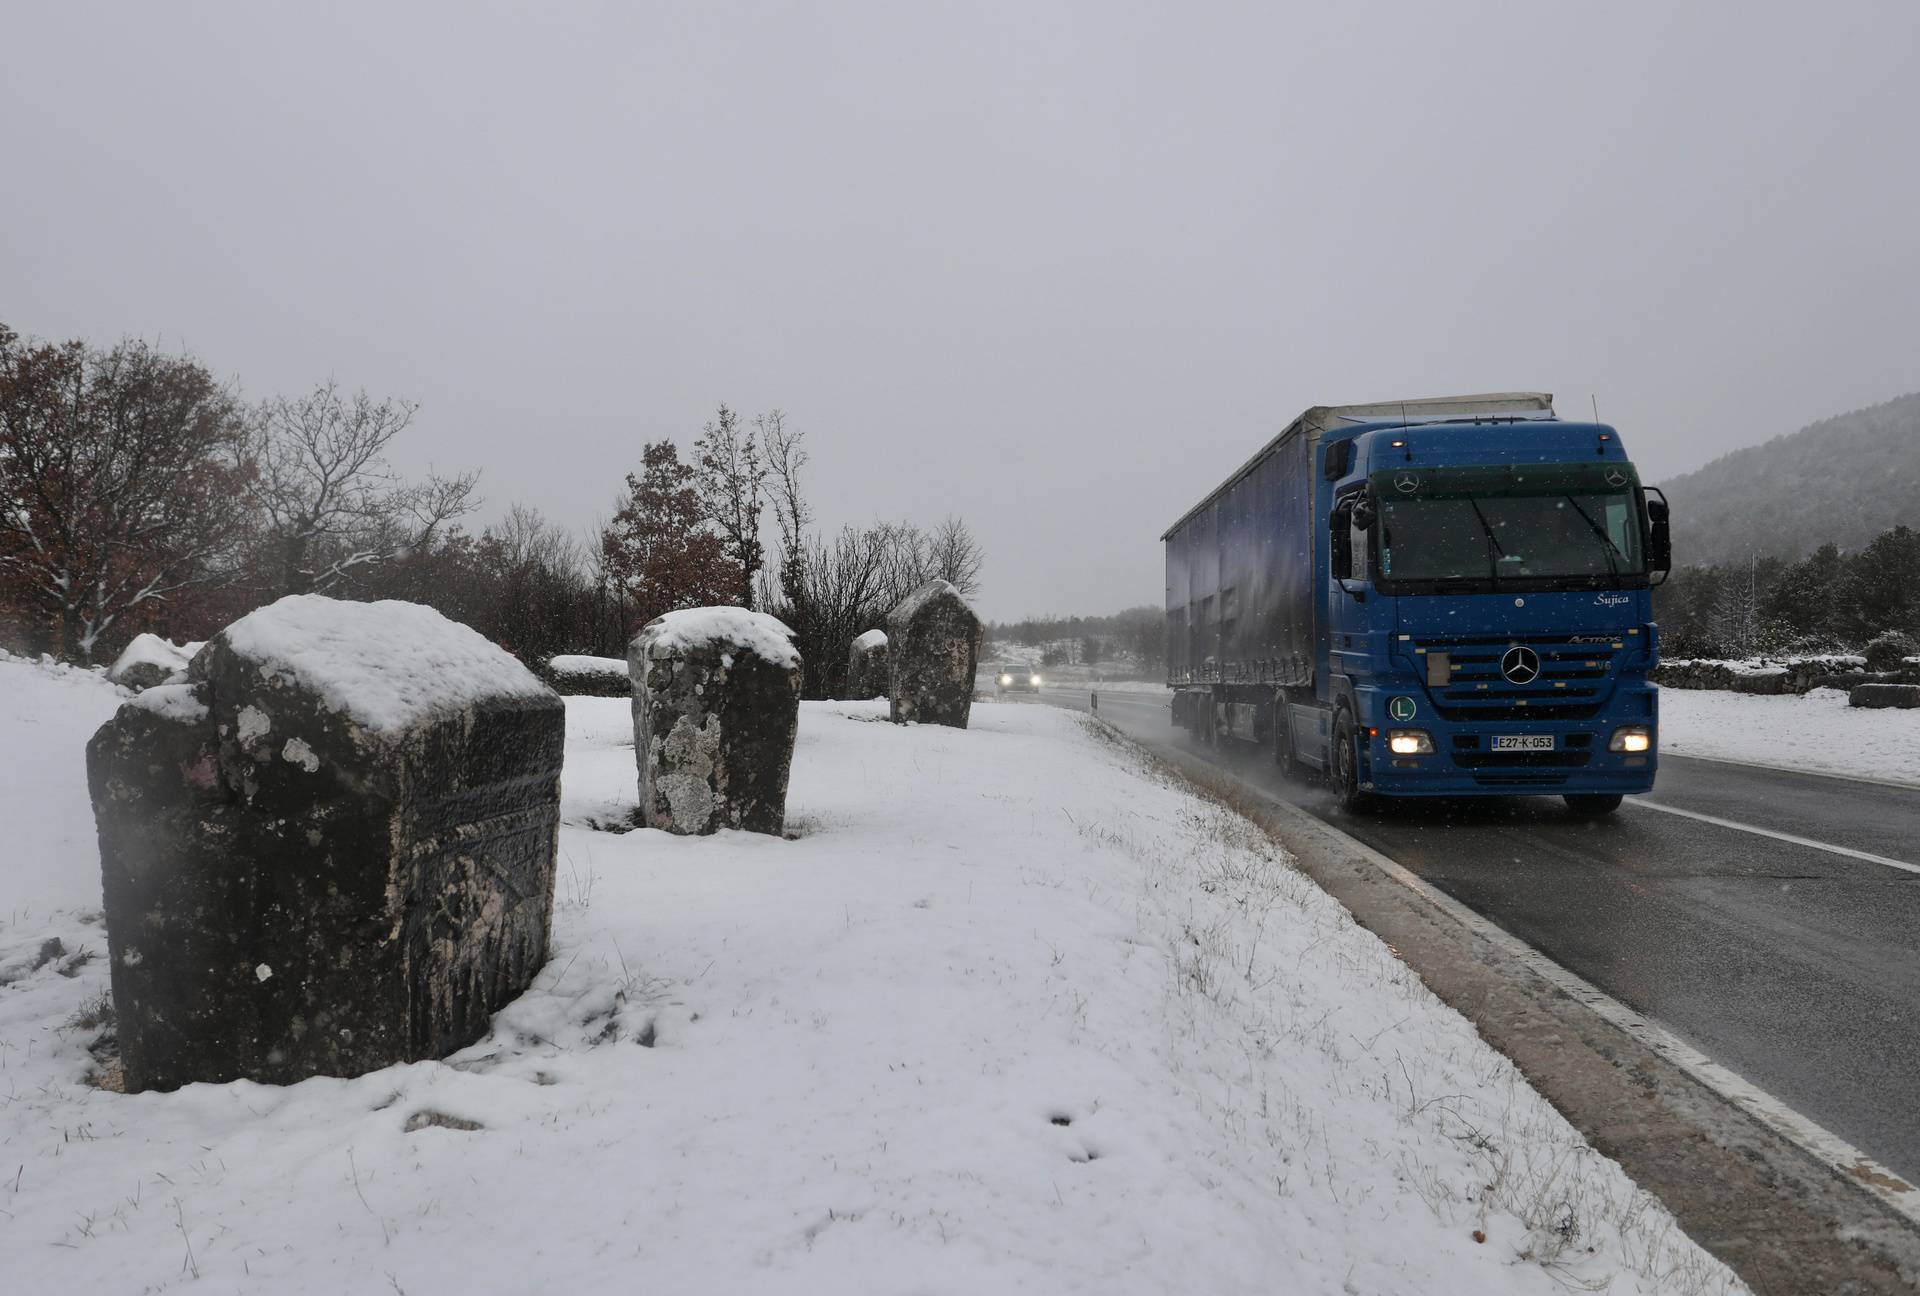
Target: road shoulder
point(1784, 1219)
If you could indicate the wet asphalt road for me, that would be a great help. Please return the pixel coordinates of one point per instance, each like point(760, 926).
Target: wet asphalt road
point(1796, 967)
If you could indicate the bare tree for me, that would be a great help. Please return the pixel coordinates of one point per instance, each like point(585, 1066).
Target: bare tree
point(119, 484)
point(831, 590)
point(525, 538)
point(953, 555)
point(540, 594)
point(329, 502)
point(913, 557)
point(608, 634)
point(845, 592)
point(785, 457)
point(731, 480)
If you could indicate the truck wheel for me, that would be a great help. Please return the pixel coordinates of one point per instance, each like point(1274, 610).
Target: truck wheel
point(1591, 805)
point(1345, 762)
point(1283, 755)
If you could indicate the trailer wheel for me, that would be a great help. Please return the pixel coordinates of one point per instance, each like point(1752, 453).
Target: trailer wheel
point(1345, 762)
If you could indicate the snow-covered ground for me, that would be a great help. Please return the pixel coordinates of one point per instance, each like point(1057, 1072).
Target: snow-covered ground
point(48, 856)
point(1817, 732)
point(1010, 1013)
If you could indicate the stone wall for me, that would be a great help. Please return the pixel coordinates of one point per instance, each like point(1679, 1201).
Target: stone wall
point(329, 850)
point(1798, 675)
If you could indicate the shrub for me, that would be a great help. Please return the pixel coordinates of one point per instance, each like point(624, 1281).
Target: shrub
point(1889, 649)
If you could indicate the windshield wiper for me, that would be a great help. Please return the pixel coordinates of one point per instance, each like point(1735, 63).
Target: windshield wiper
point(1494, 547)
point(1613, 568)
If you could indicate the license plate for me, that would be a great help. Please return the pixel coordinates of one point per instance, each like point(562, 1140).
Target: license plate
point(1523, 742)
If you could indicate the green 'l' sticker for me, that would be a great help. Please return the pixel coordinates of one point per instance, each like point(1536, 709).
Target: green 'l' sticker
point(1401, 708)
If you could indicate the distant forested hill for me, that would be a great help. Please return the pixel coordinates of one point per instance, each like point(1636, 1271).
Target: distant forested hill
point(1843, 480)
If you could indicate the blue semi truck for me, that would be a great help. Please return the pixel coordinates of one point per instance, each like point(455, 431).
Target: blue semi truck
point(1440, 597)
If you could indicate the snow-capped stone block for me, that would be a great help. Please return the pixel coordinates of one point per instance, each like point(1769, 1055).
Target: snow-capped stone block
point(716, 706)
point(149, 660)
point(330, 849)
point(868, 674)
point(574, 675)
point(1904, 696)
point(933, 642)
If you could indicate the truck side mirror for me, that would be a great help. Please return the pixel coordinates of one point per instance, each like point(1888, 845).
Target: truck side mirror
point(1339, 460)
point(1659, 532)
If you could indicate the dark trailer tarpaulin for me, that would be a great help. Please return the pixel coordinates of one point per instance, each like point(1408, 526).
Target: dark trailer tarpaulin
point(1245, 565)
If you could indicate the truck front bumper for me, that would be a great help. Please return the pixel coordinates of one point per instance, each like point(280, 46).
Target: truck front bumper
point(1466, 761)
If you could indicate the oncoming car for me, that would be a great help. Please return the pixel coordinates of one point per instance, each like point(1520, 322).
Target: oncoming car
point(1017, 679)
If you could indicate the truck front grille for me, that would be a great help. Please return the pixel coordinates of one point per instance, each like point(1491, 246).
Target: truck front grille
point(1573, 683)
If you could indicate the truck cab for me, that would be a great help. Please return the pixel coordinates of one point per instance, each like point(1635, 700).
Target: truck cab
point(1489, 622)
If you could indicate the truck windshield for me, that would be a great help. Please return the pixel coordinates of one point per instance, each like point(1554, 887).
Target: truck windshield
point(1553, 527)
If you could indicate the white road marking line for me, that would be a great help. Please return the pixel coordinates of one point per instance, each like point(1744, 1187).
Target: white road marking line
point(1808, 842)
point(1848, 1161)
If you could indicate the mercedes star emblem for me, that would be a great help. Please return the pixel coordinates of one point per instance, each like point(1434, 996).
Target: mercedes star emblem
point(1406, 483)
point(1521, 665)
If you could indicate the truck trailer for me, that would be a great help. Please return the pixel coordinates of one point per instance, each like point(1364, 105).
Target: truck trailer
point(1440, 597)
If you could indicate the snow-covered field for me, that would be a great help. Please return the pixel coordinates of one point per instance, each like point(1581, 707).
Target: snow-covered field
point(1010, 1013)
point(1817, 732)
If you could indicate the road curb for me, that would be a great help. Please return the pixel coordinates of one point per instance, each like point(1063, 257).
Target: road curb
point(1787, 1204)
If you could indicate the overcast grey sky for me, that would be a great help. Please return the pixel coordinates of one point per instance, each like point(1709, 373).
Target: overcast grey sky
point(1056, 268)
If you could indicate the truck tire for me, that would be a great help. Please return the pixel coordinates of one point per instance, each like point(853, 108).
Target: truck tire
point(1592, 805)
point(1344, 765)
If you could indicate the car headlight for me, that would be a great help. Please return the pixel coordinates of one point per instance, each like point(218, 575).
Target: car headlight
point(1035, 681)
point(1633, 738)
point(1409, 742)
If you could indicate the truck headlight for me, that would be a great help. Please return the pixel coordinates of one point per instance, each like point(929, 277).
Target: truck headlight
point(1035, 681)
point(1409, 742)
point(1006, 679)
point(1633, 738)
